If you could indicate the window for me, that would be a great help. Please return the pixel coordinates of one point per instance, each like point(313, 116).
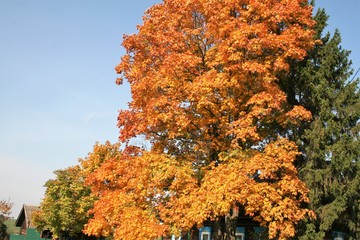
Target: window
point(205, 233)
point(239, 237)
point(240, 233)
point(205, 236)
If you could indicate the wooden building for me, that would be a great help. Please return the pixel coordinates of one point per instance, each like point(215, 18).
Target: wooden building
point(24, 219)
point(27, 228)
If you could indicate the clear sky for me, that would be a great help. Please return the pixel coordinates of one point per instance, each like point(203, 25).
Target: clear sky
point(57, 82)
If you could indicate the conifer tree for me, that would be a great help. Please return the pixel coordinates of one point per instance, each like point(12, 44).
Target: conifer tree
point(330, 142)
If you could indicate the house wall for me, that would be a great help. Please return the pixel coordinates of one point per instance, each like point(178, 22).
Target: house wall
point(23, 228)
point(31, 234)
point(17, 237)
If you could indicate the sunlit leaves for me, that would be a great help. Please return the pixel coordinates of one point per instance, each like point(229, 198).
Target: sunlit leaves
point(131, 189)
point(204, 82)
point(218, 59)
point(67, 200)
point(266, 184)
point(65, 204)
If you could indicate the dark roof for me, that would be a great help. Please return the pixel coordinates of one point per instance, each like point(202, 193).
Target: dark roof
point(25, 215)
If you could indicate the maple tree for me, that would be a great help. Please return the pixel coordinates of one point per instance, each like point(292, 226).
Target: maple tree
point(100, 154)
point(329, 165)
point(204, 78)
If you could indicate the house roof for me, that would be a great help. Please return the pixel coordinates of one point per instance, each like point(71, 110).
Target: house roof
point(25, 215)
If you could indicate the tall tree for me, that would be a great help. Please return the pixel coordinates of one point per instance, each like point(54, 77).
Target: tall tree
point(330, 142)
point(204, 81)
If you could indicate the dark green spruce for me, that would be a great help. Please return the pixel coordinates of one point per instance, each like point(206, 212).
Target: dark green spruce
point(323, 84)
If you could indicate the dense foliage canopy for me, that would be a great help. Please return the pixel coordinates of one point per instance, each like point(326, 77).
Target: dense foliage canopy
point(65, 205)
point(204, 78)
point(68, 198)
point(330, 142)
point(246, 109)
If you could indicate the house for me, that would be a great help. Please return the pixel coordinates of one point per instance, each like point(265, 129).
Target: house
point(24, 219)
point(27, 229)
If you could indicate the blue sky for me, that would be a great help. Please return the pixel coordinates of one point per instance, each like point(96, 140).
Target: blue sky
point(57, 82)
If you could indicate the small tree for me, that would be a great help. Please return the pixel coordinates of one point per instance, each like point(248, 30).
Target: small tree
point(5, 211)
point(68, 199)
point(65, 205)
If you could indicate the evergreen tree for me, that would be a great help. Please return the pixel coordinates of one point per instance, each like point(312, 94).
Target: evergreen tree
point(330, 142)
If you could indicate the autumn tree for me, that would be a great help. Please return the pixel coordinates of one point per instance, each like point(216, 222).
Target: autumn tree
point(67, 200)
point(204, 79)
point(329, 165)
point(99, 154)
point(64, 207)
point(5, 211)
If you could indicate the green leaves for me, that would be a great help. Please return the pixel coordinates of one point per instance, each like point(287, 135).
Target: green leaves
point(330, 143)
point(65, 205)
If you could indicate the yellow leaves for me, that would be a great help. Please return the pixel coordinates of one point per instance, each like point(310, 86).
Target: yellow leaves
point(131, 191)
point(273, 197)
point(100, 153)
point(158, 194)
point(204, 81)
point(298, 114)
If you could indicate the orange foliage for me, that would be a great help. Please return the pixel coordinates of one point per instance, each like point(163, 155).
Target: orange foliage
point(131, 188)
point(272, 198)
point(5, 209)
point(204, 83)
